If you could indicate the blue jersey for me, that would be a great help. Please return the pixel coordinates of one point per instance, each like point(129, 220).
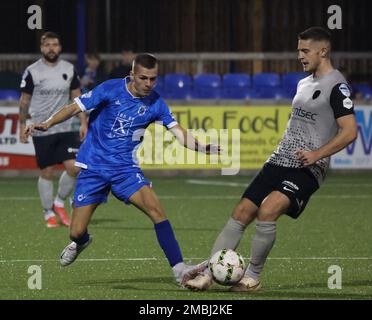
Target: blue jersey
point(117, 124)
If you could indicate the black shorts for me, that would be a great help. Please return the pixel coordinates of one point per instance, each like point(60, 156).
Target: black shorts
point(298, 184)
point(56, 148)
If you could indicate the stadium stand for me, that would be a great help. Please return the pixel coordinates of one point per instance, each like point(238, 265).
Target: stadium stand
point(207, 86)
point(177, 86)
point(266, 85)
point(9, 94)
point(290, 81)
point(160, 85)
point(236, 86)
point(364, 89)
point(10, 80)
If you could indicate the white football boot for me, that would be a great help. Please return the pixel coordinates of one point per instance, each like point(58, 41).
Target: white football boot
point(71, 252)
point(190, 272)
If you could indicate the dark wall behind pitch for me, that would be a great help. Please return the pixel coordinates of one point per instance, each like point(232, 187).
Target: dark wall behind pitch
point(187, 25)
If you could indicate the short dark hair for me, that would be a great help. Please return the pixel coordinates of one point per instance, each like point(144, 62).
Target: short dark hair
point(146, 60)
point(50, 35)
point(315, 33)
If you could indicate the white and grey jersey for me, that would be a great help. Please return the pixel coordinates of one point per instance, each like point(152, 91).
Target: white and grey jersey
point(315, 108)
point(50, 89)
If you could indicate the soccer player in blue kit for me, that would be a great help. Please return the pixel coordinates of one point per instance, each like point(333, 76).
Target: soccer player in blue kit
point(121, 110)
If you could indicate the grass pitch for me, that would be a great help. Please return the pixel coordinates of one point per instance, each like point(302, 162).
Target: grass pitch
point(125, 261)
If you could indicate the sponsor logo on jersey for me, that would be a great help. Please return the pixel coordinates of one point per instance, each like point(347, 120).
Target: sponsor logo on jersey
point(52, 92)
point(304, 114)
point(344, 89)
point(121, 126)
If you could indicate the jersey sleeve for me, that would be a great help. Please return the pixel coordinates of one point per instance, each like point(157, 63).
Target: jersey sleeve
point(92, 99)
point(340, 100)
point(27, 83)
point(165, 116)
point(75, 82)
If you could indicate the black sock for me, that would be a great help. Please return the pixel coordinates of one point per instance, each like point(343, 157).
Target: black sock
point(82, 239)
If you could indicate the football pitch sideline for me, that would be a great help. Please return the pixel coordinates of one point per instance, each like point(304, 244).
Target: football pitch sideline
point(125, 261)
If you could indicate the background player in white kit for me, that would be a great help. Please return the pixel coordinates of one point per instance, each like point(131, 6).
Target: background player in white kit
point(322, 123)
point(46, 85)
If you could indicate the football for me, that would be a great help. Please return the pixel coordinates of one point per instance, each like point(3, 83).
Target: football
point(227, 267)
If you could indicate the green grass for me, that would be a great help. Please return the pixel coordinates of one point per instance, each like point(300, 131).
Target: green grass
point(335, 229)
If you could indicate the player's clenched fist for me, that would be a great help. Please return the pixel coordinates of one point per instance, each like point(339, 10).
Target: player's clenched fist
point(32, 127)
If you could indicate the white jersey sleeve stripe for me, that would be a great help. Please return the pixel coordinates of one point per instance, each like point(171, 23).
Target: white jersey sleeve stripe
point(80, 165)
point(172, 124)
point(80, 104)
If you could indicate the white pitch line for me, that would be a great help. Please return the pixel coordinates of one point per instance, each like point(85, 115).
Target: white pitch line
point(186, 259)
point(85, 260)
point(216, 183)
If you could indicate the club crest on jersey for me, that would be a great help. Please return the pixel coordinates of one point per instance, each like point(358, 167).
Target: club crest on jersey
point(316, 94)
point(344, 90)
point(141, 110)
point(121, 126)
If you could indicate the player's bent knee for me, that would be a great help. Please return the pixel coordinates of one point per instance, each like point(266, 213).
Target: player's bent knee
point(47, 173)
point(244, 212)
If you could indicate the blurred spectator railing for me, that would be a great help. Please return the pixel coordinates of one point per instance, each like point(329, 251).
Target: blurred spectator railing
point(222, 62)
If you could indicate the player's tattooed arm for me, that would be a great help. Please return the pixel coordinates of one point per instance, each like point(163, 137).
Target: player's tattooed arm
point(24, 105)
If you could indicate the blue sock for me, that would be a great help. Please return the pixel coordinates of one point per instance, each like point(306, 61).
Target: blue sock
point(81, 240)
point(168, 242)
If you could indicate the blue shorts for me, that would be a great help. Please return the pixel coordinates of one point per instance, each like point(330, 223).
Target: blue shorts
point(93, 186)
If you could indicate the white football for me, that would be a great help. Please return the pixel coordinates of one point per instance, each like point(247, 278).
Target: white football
point(227, 267)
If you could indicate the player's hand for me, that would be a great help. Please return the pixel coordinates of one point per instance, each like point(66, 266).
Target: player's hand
point(212, 149)
point(83, 131)
point(307, 157)
point(44, 126)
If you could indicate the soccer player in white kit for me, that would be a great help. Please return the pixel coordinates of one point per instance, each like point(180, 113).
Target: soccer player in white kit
point(321, 124)
point(46, 85)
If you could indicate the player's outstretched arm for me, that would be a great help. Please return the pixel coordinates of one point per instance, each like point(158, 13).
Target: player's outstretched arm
point(187, 140)
point(60, 116)
point(348, 131)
